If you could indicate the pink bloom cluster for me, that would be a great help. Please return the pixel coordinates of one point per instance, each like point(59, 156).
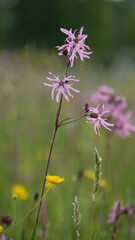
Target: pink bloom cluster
point(116, 105)
point(118, 209)
point(61, 86)
point(74, 44)
point(97, 118)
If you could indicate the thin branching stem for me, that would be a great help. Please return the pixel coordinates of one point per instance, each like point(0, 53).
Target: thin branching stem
point(75, 120)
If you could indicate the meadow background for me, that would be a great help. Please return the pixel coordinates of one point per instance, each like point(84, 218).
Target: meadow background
point(29, 34)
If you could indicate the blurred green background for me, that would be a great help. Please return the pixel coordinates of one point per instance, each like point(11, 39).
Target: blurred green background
point(29, 32)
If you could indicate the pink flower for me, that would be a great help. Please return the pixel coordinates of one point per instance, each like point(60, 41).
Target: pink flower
point(102, 95)
point(61, 86)
point(96, 118)
point(75, 44)
point(123, 125)
point(4, 238)
point(115, 212)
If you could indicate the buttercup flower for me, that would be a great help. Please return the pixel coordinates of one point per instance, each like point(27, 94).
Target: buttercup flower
point(96, 118)
point(74, 44)
point(20, 191)
point(62, 86)
point(91, 175)
point(50, 180)
point(1, 228)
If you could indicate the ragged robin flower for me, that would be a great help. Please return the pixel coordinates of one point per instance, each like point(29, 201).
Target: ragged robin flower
point(61, 86)
point(97, 118)
point(51, 180)
point(75, 44)
point(20, 191)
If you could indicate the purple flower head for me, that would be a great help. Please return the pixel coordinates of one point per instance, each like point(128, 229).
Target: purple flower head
point(61, 86)
point(102, 95)
point(3, 237)
point(74, 44)
point(123, 125)
point(115, 212)
point(97, 118)
point(116, 104)
point(6, 220)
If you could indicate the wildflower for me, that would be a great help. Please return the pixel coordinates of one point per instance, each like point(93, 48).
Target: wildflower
point(50, 180)
point(123, 125)
point(103, 183)
point(61, 86)
point(3, 237)
point(20, 191)
point(97, 119)
point(102, 95)
point(1, 228)
point(74, 44)
point(91, 175)
point(6, 220)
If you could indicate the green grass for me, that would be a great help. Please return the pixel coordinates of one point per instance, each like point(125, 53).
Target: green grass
point(26, 127)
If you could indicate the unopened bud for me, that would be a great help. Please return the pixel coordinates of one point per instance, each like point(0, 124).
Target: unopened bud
point(94, 115)
point(65, 52)
point(86, 107)
point(14, 197)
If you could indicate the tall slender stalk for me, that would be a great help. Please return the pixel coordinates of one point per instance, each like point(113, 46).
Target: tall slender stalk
point(49, 156)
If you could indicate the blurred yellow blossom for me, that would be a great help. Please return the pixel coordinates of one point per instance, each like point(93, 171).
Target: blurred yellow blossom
point(1, 228)
point(50, 180)
point(91, 175)
point(20, 191)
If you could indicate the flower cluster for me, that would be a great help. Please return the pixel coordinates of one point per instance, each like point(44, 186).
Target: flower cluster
point(61, 86)
point(116, 105)
point(97, 118)
point(74, 44)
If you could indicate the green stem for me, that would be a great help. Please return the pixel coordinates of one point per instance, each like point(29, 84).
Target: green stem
point(35, 206)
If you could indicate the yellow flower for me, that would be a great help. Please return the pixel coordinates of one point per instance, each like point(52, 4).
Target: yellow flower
point(91, 175)
point(50, 180)
point(104, 183)
point(1, 228)
point(20, 191)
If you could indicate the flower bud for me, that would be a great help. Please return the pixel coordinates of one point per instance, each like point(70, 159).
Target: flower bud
point(94, 115)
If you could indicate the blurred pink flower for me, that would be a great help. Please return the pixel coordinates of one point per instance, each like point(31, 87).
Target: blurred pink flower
point(123, 125)
point(4, 238)
point(61, 86)
point(97, 119)
point(102, 95)
point(75, 44)
point(115, 212)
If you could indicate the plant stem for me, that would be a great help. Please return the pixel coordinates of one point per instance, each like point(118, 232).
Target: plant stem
point(48, 162)
point(49, 157)
point(75, 120)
